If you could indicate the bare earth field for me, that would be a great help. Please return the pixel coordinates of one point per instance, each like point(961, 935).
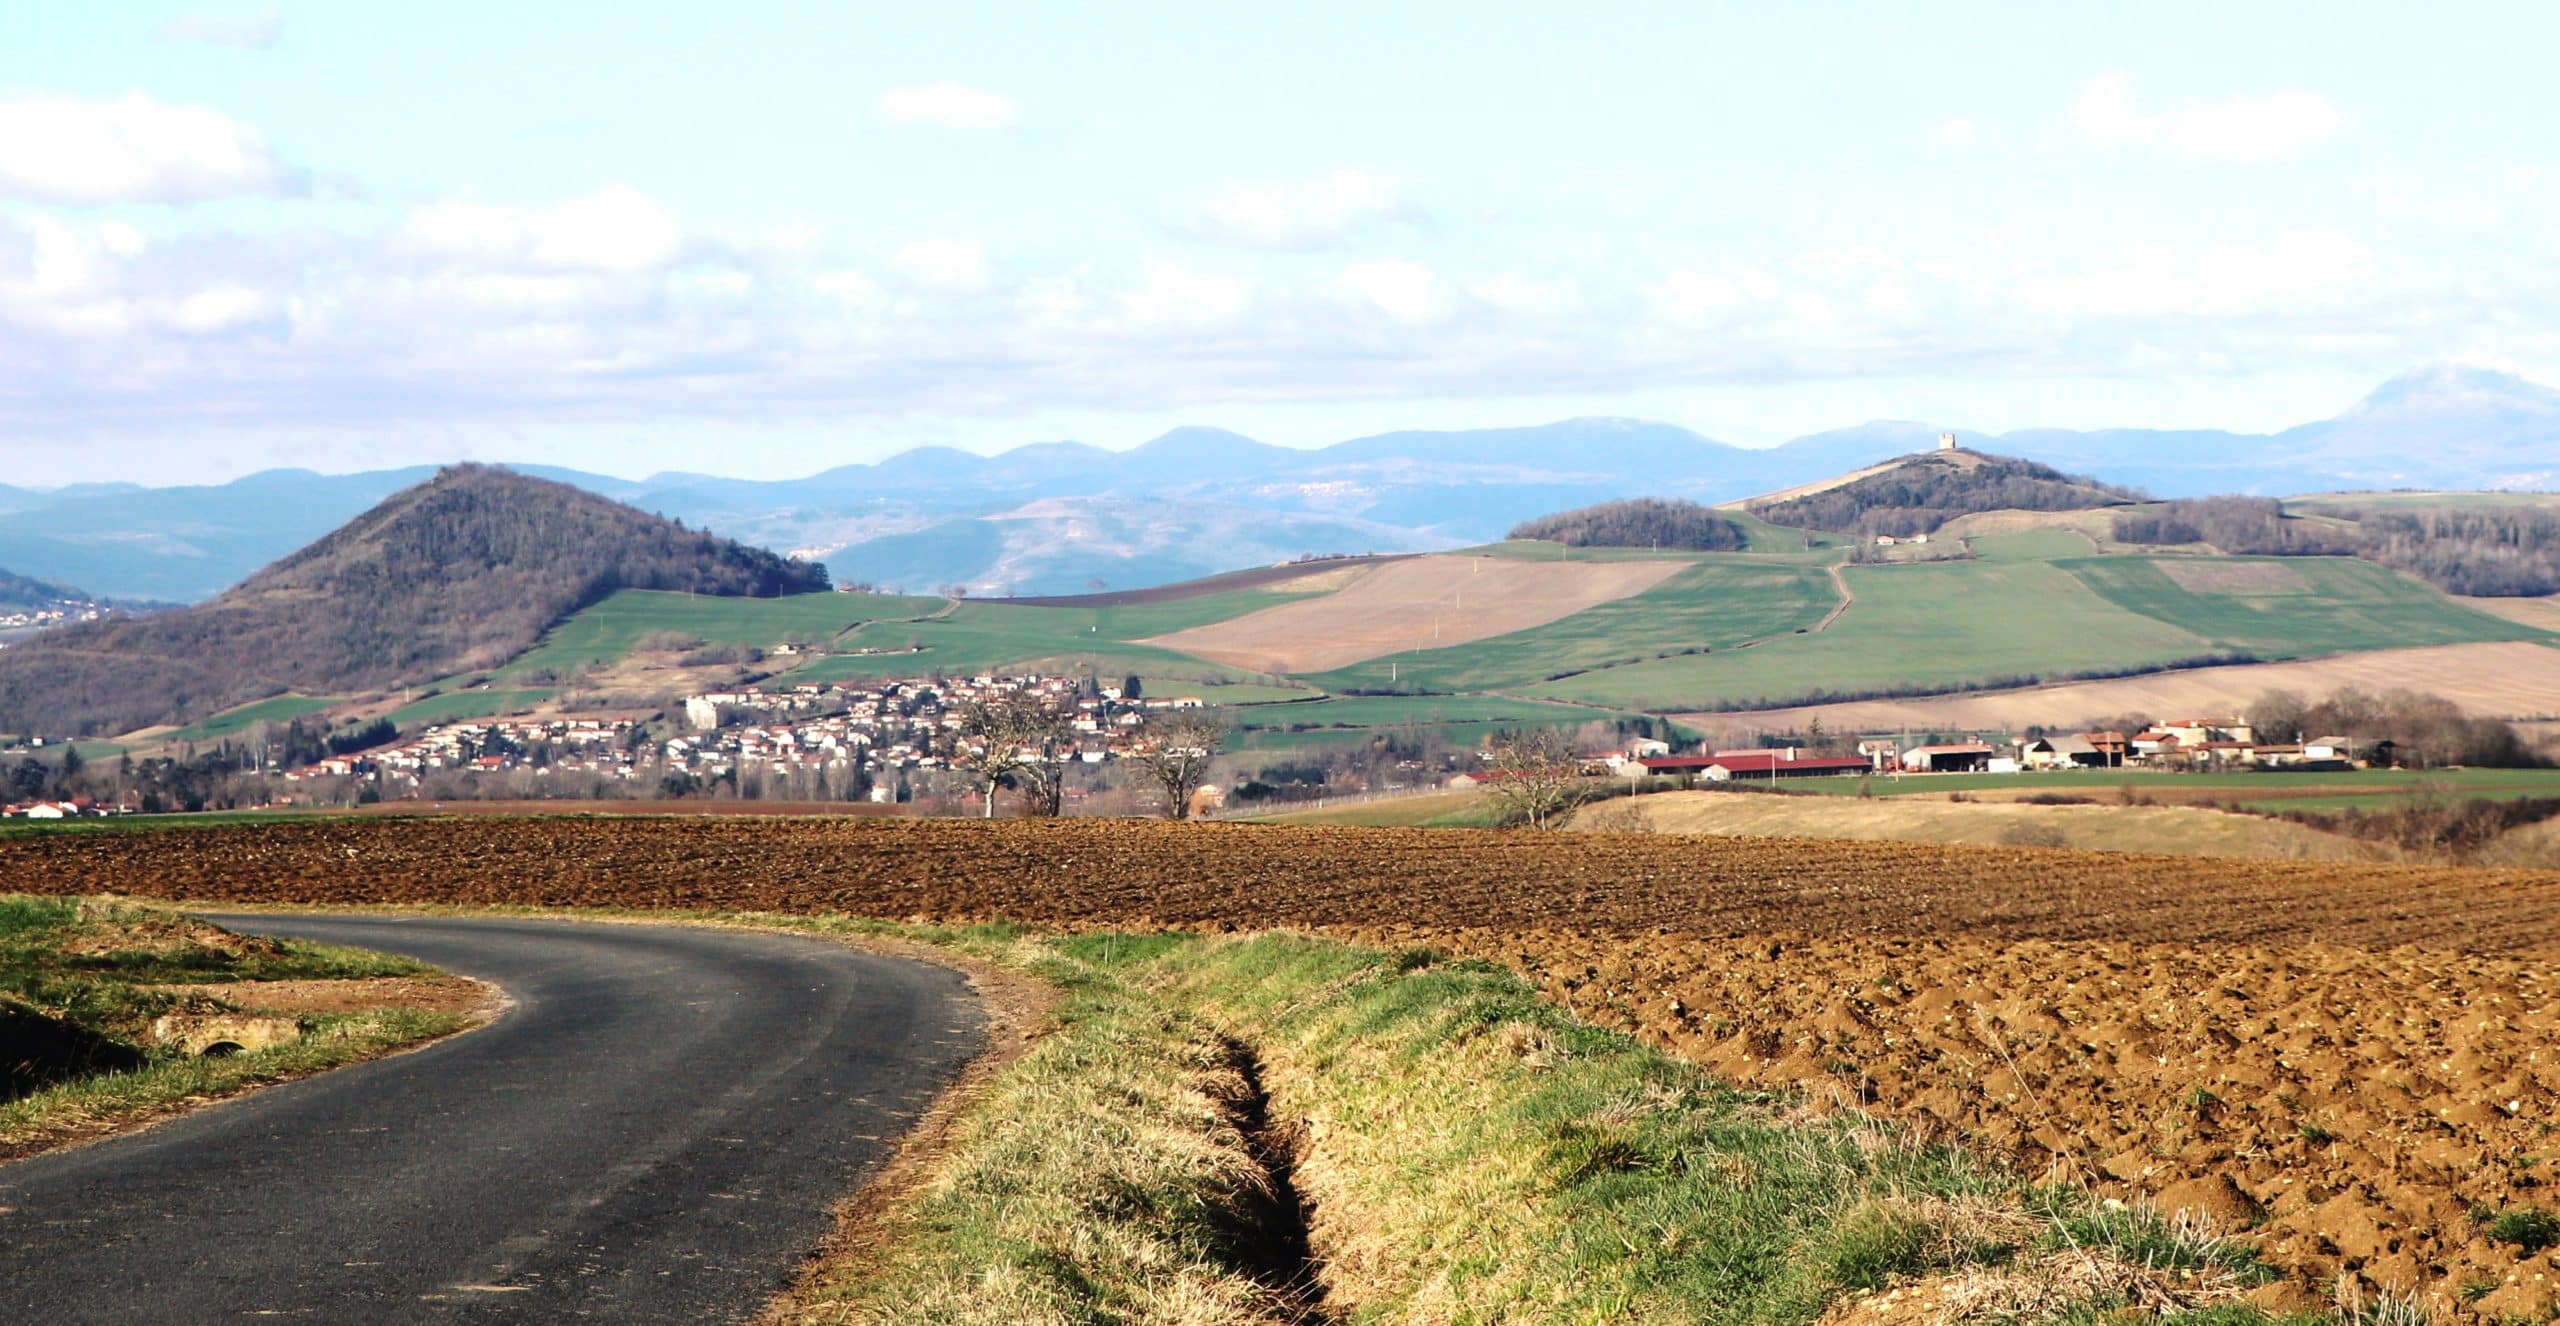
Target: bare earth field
point(2543, 613)
point(2344, 1061)
point(2182, 830)
point(1421, 602)
point(2514, 679)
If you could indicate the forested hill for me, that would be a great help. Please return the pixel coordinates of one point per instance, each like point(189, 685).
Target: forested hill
point(464, 571)
point(1925, 491)
point(1643, 522)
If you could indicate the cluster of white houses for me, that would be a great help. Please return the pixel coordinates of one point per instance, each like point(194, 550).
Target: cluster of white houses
point(828, 736)
point(52, 614)
point(2191, 743)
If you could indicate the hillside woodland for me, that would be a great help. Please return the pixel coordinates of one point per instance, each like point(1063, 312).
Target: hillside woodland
point(464, 571)
point(2488, 551)
point(1927, 491)
point(1643, 522)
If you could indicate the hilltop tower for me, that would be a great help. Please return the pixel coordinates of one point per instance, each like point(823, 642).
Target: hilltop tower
point(1946, 441)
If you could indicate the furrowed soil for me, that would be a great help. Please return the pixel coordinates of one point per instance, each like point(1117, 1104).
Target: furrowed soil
point(2351, 1064)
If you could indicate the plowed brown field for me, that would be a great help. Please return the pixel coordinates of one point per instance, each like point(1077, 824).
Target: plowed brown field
point(2345, 1061)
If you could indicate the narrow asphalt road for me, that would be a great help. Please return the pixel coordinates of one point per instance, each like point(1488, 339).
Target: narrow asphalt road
point(655, 1133)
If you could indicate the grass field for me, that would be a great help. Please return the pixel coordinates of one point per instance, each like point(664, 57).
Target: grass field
point(1356, 718)
point(1717, 604)
point(607, 632)
point(2291, 607)
point(2038, 545)
point(2366, 787)
point(456, 706)
point(233, 722)
point(1944, 625)
point(989, 635)
point(2177, 830)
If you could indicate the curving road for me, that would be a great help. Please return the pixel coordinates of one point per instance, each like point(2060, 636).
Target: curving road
point(656, 1132)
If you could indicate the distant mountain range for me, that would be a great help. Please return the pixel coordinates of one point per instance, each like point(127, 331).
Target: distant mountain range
point(1057, 517)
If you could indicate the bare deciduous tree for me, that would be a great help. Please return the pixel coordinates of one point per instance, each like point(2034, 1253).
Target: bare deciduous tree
point(1173, 753)
point(1535, 777)
point(1022, 741)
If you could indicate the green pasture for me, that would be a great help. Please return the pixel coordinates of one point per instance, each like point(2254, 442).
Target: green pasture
point(994, 636)
point(233, 722)
point(2036, 545)
point(1933, 625)
point(1717, 604)
point(457, 706)
point(2303, 607)
point(607, 632)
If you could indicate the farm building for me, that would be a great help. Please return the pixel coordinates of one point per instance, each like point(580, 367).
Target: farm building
point(1734, 766)
point(1964, 757)
point(2062, 752)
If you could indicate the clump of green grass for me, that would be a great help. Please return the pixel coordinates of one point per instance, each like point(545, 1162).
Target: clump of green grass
point(2530, 1227)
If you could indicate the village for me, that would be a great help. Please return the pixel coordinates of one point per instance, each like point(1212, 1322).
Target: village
point(883, 742)
point(895, 742)
point(2183, 745)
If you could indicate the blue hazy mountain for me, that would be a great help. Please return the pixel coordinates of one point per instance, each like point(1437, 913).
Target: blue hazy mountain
point(1053, 517)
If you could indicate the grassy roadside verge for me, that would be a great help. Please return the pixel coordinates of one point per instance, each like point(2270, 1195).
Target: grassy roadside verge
point(107, 1007)
point(1284, 1129)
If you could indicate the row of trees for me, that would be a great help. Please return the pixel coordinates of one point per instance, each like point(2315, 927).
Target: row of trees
point(1027, 742)
point(2407, 727)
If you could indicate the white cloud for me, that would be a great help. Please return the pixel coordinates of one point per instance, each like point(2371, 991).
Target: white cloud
point(1405, 291)
point(2300, 272)
point(131, 149)
point(1958, 132)
point(616, 228)
point(850, 288)
point(947, 105)
point(1175, 296)
point(1688, 296)
point(1311, 214)
point(945, 264)
point(243, 30)
point(223, 308)
point(1523, 294)
point(2240, 130)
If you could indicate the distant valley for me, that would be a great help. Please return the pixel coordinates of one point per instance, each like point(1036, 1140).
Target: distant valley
point(1066, 518)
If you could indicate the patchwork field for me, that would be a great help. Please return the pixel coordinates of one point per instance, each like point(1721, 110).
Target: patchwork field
point(2501, 680)
point(2350, 1064)
point(1717, 603)
point(1416, 604)
point(1941, 625)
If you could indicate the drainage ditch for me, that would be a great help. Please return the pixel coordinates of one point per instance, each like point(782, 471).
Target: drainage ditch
point(1274, 1245)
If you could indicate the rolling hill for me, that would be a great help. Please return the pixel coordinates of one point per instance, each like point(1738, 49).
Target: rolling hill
point(464, 570)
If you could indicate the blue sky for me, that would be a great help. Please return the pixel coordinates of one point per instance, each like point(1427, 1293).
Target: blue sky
point(633, 237)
